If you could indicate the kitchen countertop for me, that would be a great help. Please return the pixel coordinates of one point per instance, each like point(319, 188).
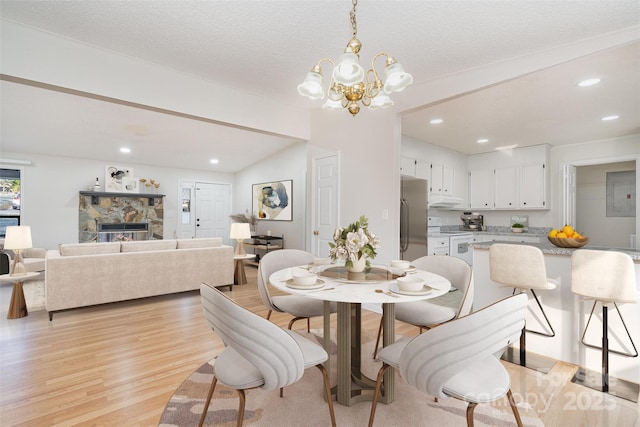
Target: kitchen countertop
point(550, 249)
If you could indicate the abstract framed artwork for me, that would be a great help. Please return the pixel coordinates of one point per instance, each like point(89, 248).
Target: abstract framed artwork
point(272, 200)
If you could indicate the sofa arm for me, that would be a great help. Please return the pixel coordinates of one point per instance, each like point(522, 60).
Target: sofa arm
point(34, 253)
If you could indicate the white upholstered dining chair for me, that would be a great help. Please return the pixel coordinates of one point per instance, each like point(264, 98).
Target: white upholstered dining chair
point(257, 352)
point(298, 306)
point(425, 314)
point(460, 358)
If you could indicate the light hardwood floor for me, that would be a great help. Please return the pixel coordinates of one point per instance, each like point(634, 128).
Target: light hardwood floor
point(118, 364)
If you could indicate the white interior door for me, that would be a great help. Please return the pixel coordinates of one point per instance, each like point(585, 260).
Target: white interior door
point(326, 201)
point(212, 207)
point(569, 195)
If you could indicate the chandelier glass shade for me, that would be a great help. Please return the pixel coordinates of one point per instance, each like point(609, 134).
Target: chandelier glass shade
point(350, 85)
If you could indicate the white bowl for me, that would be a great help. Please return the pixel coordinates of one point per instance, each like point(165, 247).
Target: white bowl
point(322, 261)
point(400, 263)
point(410, 283)
point(304, 278)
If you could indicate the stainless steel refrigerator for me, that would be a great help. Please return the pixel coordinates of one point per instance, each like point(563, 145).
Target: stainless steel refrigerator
point(413, 218)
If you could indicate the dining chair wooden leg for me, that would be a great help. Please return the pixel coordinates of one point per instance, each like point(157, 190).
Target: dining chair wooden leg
point(376, 393)
point(375, 349)
point(295, 319)
point(242, 397)
point(327, 391)
point(281, 391)
point(309, 324)
point(470, 409)
point(514, 408)
point(208, 401)
point(269, 314)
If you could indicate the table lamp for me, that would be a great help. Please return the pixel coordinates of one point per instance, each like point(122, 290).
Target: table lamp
point(239, 232)
point(17, 238)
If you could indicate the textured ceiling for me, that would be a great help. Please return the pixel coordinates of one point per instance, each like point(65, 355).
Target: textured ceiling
point(265, 47)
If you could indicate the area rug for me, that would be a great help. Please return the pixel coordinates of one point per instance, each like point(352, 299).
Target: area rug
point(34, 294)
point(303, 404)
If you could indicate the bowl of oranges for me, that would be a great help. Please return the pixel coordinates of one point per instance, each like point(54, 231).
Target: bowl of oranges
point(567, 237)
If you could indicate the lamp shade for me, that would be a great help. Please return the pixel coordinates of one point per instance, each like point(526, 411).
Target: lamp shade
point(396, 78)
point(381, 100)
point(333, 105)
point(240, 231)
point(18, 237)
point(348, 71)
point(311, 87)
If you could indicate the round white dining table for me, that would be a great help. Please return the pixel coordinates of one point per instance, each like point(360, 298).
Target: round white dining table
point(376, 285)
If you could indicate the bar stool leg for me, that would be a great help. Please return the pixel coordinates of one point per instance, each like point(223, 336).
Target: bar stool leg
point(523, 347)
point(605, 349)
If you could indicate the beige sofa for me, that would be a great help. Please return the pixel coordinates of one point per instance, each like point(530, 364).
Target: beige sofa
point(84, 274)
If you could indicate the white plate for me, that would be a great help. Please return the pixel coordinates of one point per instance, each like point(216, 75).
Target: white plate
point(319, 283)
point(426, 290)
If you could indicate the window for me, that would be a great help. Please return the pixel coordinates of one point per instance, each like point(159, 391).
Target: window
point(10, 198)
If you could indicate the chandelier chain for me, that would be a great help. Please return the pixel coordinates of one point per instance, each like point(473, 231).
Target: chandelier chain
point(352, 15)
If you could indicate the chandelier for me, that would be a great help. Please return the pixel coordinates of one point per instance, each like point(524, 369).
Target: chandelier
point(350, 85)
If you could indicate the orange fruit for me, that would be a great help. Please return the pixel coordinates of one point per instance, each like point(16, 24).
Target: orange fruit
point(553, 233)
point(561, 235)
point(568, 230)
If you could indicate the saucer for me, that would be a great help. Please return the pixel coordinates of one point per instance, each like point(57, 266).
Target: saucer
point(319, 283)
point(426, 290)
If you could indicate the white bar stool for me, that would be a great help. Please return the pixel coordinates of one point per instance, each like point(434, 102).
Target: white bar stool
point(521, 267)
point(607, 277)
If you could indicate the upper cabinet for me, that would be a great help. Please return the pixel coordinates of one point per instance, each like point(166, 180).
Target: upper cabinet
point(445, 170)
point(515, 180)
point(407, 166)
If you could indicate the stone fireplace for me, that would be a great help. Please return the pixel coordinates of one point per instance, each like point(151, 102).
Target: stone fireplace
point(105, 217)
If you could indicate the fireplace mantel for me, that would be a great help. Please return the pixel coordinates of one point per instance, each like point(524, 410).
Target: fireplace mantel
point(95, 194)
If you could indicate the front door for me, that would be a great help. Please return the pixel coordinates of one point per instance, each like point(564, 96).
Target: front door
point(213, 207)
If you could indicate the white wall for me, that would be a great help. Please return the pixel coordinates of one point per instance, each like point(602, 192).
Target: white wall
point(369, 146)
point(289, 163)
point(50, 187)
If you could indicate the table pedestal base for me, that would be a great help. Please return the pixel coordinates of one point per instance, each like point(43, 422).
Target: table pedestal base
point(353, 386)
point(18, 306)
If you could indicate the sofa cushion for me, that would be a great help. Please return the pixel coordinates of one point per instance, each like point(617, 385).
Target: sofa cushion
point(210, 242)
point(70, 249)
point(147, 245)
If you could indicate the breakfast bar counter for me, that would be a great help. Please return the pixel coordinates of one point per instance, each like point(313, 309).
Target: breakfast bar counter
point(568, 313)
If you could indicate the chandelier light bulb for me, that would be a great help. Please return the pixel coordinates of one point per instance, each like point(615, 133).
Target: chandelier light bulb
point(396, 78)
point(311, 87)
point(332, 104)
point(381, 100)
point(348, 71)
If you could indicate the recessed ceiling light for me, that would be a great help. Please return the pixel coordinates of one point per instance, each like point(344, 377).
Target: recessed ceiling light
point(482, 140)
point(436, 121)
point(214, 161)
point(589, 82)
point(125, 150)
point(607, 118)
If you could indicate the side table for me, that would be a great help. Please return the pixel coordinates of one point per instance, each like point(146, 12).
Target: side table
point(239, 276)
point(18, 306)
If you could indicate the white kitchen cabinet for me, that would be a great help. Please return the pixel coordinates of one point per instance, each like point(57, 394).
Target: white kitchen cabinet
point(511, 180)
point(481, 189)
point(407, 166)
point(423, 170)
point(506, 188)
point(441, 180)
point(532, 186)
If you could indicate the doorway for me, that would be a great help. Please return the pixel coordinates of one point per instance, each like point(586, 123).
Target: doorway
point(585, 204)
point(325, 205)
point(204, 210)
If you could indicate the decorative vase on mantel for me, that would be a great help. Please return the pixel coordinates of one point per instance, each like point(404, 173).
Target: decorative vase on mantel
point(359, 265)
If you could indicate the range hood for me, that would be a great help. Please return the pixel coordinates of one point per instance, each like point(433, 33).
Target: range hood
point(440, 201)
